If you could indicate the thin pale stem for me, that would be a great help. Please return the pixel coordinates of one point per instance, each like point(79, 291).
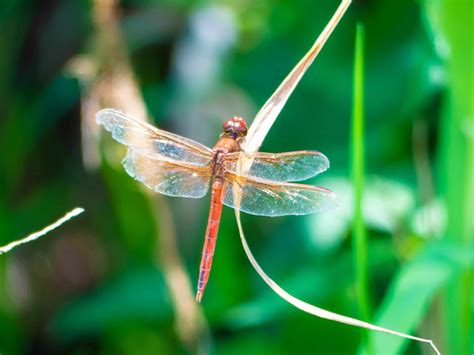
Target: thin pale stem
point(75, 212)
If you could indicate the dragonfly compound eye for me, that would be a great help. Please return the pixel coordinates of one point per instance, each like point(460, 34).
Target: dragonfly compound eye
point(236, 126)
point(240, 126)
point(228, 126)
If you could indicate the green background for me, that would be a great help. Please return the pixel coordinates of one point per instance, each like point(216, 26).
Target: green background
point(96, 285)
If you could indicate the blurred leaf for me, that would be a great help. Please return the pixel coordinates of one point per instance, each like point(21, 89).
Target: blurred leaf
point(136, 338)
point(29, 120)
point(12, 337)
point(452, 23)
point(254, 342)
point(133, 212)
point(387, 202)
point(14, 28)
point(412, 290)
point(133, 295)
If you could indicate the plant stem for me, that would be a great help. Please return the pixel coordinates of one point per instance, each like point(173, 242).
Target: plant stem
point(357, 149)
point(457, 164)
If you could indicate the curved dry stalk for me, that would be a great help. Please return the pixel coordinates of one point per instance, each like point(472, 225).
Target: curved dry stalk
point(316, 311)
point(269, 112)
point(257, 132)
point(71, 214)
point(267, 115)
point(108, 81)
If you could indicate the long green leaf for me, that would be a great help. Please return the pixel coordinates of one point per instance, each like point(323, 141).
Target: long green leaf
point(410, 294)
point(451, 24)
point(359, 234)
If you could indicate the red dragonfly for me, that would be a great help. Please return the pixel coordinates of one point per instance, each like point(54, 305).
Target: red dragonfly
point(177, 166)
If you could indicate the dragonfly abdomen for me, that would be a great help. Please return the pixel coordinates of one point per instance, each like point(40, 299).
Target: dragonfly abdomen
point(211, 237)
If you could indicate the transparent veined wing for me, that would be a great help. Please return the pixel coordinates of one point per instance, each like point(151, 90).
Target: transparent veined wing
point(282, 167)
point(265, 198)
point(167, 177)
point(152, 141)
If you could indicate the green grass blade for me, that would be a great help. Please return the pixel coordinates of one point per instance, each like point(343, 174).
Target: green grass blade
point(457, 163)
point(412, 290)
point(357, 155)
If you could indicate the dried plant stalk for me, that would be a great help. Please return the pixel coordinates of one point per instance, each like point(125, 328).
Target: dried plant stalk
point(269, 112)
point(71, 214)
point(108, 81)
point(257, 132)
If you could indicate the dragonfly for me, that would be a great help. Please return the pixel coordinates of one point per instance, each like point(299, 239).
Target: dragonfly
point(177, 166)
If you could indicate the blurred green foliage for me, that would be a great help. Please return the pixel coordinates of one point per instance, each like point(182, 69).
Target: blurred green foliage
point(94, 287)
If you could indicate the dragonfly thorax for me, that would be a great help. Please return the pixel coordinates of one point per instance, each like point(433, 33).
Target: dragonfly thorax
point(217, 163)
point(235, 130)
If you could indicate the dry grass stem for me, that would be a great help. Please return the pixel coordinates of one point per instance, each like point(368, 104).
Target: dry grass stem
point(110, 82)
point(257, 133)
point(71, 214)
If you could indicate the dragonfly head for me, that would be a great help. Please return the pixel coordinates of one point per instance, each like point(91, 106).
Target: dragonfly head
point(236, 127)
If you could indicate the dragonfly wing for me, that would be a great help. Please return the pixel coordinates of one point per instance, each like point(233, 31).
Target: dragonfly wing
point(166, 177)
point(152, 141)
point(266, 198)
point(282, 167)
